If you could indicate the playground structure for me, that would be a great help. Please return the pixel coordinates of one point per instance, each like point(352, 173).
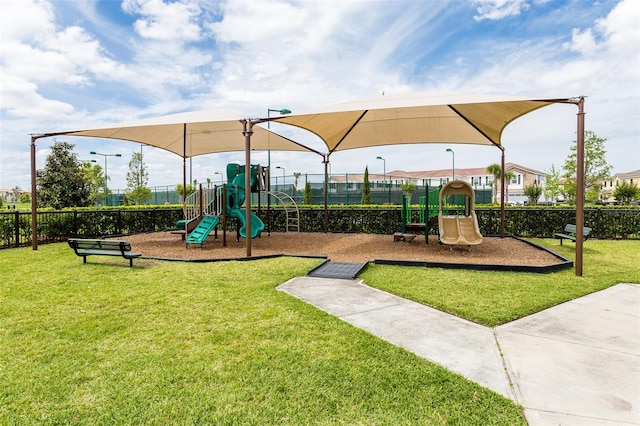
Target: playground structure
point(427, 215)
point(458, 226)
point(207, 208)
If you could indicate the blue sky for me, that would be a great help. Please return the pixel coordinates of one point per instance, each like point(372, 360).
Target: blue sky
point(69, 65)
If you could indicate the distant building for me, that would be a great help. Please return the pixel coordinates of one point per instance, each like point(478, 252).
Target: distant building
point(476, 177)
point(11, 195)
point(609, 185)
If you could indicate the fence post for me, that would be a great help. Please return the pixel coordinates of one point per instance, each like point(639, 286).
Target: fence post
point(16, 226)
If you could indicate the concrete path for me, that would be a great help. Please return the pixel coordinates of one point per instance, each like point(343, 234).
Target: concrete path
point(575, 364)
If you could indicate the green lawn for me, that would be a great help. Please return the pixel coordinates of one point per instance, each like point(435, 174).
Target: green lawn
point(493, 298)
point(206, 343)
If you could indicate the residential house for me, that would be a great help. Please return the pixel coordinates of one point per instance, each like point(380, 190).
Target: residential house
point(477, 177)
point(609, 185)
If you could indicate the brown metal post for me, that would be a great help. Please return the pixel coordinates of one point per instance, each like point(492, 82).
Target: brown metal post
point(502, 195)
point(579, 187)
point(184, 174)
point(34, 204)
point(224, 213)
point(247, 132)
point(200, 207)
point(326, 177)
point(268, 177)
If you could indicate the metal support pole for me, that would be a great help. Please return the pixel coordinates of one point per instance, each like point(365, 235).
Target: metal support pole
point(502, 194)
point(580, 187)
point(326, 177)
point(184, 173)
point(34, 204)
point(247, 132)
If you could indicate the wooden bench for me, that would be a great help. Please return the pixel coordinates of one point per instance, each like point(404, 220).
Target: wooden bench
point(570, 233)
point(86, 248)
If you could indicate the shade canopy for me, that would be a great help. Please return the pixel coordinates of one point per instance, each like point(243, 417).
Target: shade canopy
point(415, 118)
point(191, 134)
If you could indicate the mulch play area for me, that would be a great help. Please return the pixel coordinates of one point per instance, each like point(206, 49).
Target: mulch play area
point(347, 248)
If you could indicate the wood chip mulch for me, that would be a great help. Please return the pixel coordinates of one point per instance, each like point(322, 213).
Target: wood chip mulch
point(343, 248)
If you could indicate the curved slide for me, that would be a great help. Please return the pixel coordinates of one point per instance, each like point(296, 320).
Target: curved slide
point(202, 231)
point(257, 226)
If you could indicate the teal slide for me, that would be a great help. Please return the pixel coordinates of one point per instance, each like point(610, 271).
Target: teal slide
point(202, 231)
point(257, 226)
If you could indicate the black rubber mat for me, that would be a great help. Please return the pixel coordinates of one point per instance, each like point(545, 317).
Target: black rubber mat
point(340, 270)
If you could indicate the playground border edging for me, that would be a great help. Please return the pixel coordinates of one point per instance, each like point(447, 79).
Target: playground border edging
point(563, 264)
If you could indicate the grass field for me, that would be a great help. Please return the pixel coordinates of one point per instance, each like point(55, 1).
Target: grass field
point(214, 343)
point(204, 343)
point(493, 298)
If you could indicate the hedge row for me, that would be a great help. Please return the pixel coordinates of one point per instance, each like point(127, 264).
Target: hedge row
point(15, 227)
point(526, 222)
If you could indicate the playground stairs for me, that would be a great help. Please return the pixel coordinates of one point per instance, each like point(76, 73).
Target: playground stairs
point(202, 231)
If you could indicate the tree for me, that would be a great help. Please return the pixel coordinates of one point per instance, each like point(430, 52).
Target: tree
point(96, 182)
point(180, 190)
point(408, 188)
point(625, 192)
point(533, 193)
point(366, 188)
point(495, 170)
point(62, 181)
point(296, 175)
point(16, 193)
point(137, 178)
point(308, 199)
point(552, 187)
point(596, 168)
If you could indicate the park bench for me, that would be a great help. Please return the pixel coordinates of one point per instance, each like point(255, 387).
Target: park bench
point(86, 248)
point(570, 233)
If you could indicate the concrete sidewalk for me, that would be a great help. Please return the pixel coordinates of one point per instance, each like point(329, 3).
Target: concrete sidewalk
point(575, 364)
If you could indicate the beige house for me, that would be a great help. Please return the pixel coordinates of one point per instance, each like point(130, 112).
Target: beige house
point(11, 195)
point(609, 186)
point(476, 177)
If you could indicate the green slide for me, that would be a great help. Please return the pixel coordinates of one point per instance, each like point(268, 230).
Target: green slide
point(257, 226)
point(202, 231)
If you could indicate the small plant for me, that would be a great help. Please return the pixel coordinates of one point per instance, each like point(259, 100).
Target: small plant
point(408, 188)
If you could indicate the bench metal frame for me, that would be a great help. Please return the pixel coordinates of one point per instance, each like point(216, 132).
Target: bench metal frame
point(84, 248)
point(570, 233)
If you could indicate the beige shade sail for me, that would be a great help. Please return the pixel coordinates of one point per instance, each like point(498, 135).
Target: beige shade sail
point(415, 118)
point(191, 134)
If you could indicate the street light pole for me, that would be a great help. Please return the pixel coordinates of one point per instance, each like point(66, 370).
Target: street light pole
point(221, 177)
point(282, 111)
point(384, 175)
point(453, 163)
point(106, 176)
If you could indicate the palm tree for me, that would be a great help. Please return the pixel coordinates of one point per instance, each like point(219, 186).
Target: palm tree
point(296, 175)
point(495, 170)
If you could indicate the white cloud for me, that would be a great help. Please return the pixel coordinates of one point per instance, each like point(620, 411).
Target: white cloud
point(250, 56)
point(498, 9)
point(165, 21)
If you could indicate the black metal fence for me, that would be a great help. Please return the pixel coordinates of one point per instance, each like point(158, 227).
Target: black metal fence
point(15, 227)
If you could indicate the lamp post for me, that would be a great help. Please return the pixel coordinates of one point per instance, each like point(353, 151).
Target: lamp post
point(384, 175)
point(283, 171)
point(221, 177)
point(453, 163)
point(106, 176)
point(282, 111)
